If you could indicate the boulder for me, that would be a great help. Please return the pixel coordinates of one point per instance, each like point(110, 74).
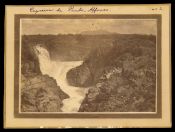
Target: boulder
point(41, 94)
point(80, 76)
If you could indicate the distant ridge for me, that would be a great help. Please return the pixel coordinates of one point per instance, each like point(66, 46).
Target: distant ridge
point(97, 32)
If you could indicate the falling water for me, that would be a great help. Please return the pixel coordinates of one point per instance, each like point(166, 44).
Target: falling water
point(58, 70)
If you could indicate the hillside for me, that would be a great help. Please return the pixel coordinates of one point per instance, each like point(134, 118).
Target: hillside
point(121, 78)
point(75, 47)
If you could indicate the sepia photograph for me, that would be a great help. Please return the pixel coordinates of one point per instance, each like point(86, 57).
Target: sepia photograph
point(87, 66)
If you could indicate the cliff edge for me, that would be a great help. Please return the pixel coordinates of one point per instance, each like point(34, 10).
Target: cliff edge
point(39, 93)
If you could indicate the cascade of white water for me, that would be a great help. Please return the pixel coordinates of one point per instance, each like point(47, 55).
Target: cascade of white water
point(58, 70)
point(46, 65)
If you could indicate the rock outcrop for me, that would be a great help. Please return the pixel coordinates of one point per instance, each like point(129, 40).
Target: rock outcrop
point(123, 77)
point(124, 89)
point(80, 76)
point(40, 93)
point(88, 73)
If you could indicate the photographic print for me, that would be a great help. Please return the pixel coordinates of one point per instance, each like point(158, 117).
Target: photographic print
point(88, 64)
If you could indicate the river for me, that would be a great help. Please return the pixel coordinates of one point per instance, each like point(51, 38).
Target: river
point(58, 70)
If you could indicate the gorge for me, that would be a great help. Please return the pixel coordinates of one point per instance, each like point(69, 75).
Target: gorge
point(58, 70)
point(88, 73)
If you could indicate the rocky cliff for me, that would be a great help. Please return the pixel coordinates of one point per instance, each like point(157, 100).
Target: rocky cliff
point(123, 78)
point(39, 93)
point(88, 73)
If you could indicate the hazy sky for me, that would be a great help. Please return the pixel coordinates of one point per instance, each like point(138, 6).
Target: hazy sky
point(73, 26)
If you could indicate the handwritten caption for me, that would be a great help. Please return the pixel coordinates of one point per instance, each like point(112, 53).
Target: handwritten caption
point(157, 9)
point(74, 9)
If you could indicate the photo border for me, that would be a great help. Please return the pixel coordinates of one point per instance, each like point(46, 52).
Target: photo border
point(17, 114)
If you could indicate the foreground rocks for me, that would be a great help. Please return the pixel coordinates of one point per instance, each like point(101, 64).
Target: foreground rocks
point(40, 93)
point(123, 90)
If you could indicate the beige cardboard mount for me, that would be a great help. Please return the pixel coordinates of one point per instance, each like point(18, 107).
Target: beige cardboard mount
point(12, 116)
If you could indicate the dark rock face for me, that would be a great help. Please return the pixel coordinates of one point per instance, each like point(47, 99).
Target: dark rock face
point(41, 94)
point(124, 79)
point(122, 91)
point(79, 76)
point(29, 59)
point(103, 57)
point(88, 73)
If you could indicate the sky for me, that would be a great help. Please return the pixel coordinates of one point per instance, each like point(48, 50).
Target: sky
point(75, 26)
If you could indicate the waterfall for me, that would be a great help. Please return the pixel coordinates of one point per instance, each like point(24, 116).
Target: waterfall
point(46, 65)
point(58, 70)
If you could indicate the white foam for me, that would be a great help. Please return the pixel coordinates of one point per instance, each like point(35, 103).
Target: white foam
point(58, 70)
